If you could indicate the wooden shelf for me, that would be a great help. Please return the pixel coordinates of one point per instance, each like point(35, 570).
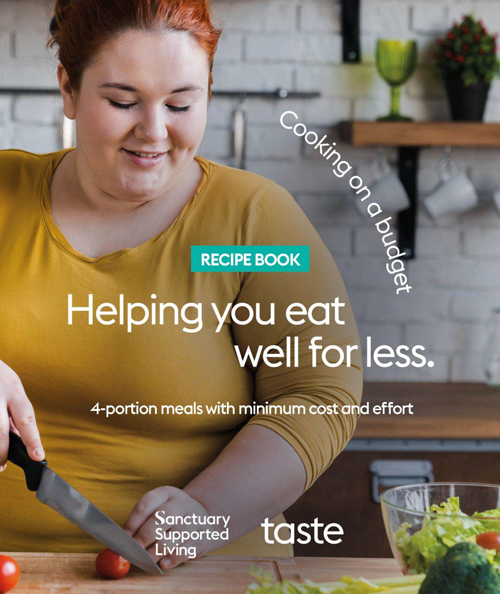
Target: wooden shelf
point(418, 134)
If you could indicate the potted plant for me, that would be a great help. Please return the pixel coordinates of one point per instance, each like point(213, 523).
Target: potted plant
point(467, 59)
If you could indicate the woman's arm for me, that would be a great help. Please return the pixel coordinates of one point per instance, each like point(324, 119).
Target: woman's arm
point(257, 476)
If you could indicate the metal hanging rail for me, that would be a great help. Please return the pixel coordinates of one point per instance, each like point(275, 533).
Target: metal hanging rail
point(279, 93)
point(28, 91)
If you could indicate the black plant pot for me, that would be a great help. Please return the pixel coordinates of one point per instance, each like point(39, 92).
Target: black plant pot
point(467, 103)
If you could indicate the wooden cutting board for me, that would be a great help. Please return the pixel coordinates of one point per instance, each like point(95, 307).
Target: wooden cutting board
point(58, 573)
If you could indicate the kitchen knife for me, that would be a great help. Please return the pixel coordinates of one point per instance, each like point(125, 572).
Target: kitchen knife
point(55, 492)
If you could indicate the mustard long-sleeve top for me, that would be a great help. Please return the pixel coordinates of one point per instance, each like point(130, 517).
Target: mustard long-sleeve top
point(67, 369)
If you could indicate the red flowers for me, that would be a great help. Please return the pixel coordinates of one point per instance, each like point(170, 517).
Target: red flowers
point(468, 51)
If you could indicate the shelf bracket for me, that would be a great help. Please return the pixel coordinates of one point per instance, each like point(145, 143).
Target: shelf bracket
point(407, 219)
point(351, 49)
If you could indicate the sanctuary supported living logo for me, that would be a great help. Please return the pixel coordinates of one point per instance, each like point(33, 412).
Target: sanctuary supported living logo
point(340, 168)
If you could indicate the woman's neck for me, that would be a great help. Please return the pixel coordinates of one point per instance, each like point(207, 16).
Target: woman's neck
point(96, 223)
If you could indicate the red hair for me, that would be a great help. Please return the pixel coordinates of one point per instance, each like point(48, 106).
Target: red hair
point(81, 27)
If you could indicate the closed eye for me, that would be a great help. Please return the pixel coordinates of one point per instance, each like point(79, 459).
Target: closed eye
point(173, 108)
point(178, 109)
point(121, 105)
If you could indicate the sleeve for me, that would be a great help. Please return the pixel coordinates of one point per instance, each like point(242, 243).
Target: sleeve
point(20, 177)
point(276, 219)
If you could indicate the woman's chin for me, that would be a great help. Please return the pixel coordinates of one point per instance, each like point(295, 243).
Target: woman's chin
point(140, 185)
point(139, 192)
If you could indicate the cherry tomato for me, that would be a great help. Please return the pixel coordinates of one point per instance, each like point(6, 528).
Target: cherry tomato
point(489, 540)
point(111, 566)
point(9, 573)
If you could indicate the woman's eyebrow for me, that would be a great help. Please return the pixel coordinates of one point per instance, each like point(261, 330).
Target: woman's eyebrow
point(124, 87)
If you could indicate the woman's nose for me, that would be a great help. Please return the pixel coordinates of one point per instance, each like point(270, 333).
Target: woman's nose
point(153, 126)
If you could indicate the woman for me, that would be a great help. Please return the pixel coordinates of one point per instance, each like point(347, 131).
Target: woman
point(117, 217)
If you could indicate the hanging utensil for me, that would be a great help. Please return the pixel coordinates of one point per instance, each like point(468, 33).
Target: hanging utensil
point(239, 135)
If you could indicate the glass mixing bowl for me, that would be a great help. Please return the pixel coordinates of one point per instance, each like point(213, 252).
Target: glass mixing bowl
point(418, 537)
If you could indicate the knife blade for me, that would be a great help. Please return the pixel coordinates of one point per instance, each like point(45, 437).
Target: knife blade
point(55, 492)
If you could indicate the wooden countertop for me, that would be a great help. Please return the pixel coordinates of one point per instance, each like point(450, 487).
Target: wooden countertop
point(441, 411)
point(58, 573)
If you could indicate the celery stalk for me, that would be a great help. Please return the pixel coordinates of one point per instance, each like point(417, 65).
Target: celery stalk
point(405, 580)
point(391, 582)
point(405, 590)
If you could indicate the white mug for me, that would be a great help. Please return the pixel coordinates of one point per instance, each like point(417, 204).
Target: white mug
point(387, 191)
point(455, 192)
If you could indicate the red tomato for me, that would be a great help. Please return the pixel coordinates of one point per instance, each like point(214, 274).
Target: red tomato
point(9, 573)
point(489, 540)
point(111, 566)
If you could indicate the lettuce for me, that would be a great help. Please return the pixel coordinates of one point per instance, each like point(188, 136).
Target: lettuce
point(449, 526)
point(490, 525)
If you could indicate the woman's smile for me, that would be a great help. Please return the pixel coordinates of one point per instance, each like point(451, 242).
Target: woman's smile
point(144, 159)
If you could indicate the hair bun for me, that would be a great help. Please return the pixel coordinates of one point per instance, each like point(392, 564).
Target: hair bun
point(53, 25)
point(55, 22)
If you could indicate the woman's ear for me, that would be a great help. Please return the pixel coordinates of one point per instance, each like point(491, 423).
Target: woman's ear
point(69, 98)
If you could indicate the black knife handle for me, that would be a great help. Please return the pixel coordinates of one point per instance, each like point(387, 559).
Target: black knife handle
point(18, 454)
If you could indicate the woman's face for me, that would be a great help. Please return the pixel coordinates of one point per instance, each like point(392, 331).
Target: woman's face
point(144, 93)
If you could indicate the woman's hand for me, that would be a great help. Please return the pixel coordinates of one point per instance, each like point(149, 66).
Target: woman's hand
point(142, 525)
point(17, 414)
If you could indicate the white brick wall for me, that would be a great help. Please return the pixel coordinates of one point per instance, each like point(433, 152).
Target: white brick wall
point(320, 48)
point(429, 19)
point(37, 109)
point(482, 242)
point(385, 17)
point(297, 44)
point(320, 16)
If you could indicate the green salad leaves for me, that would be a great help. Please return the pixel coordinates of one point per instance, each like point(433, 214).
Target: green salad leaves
point(448, 526)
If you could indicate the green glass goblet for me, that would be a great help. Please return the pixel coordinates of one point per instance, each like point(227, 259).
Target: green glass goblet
point(396, 62)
